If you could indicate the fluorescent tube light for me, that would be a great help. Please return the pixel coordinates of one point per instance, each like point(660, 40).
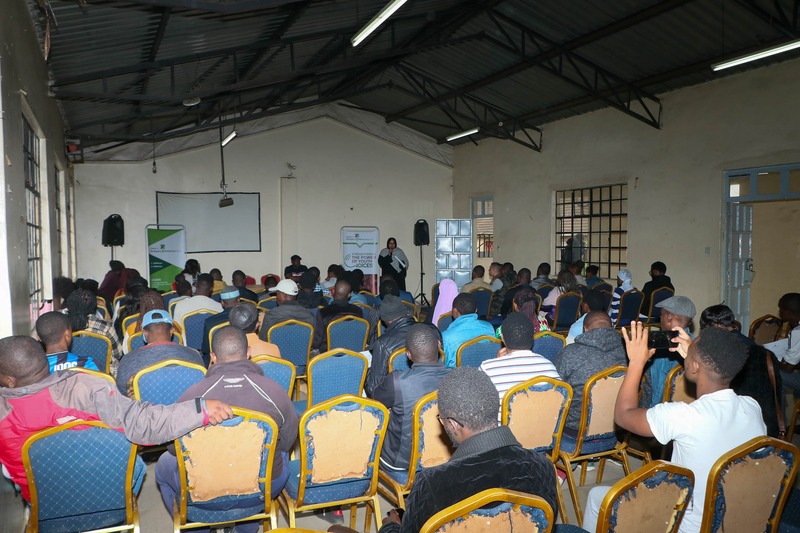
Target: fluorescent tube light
point(757, 55)
point(473, 131)
point(229, 138)
point(376, 21)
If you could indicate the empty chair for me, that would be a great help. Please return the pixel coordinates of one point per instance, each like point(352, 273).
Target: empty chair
point(168, 297)
point(334, 373)
point(293, 339)
point(630, 305)
point(349, 333)
point(94, 346)
point(476, 351)
point(163, 383)
point(548, 344)
point(765, 329)
point(372, 300)
point(483, 301)
point(279, 370)
point(567, 307)
point(192, 327)
point(603, 286)
point(128, 320)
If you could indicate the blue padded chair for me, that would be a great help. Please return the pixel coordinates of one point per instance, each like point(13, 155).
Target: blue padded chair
point(128, 320)
point(192, 327)
point(163, 383)
point(603, 286)
point(398, 361)
point(168, 297)
point(654, 313)
point(94, 346)
point(434, 294)
point(595, 437)
point(748, 486)
point(216, 297)
point(544, 289)
point(279, 370)
point(340, 445)
point(293, 338)
point(82, 480)
point(630, 305)
point(607, 297)
point(267, 301)
point(483, 301)
point(348, 332)
point(136, 340)
point(253, 435)
point(372, 300)
point(476, 351)
point(481, 512)
point(548, 344)
point(334, 373)
point(430, 447)
point(444, 321)
point(567, 307)
point(103, 311)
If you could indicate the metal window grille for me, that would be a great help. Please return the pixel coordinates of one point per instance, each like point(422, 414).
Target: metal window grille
point(592, 225)
point(33, 203)
point(483, 222)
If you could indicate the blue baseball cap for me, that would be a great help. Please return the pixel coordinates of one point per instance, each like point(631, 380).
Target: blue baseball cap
point(156, 316)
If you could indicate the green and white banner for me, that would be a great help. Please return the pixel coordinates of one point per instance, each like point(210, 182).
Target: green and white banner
point(360, 248)
point(166, 253)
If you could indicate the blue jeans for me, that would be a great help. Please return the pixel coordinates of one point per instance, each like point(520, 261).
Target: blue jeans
point(169, 483)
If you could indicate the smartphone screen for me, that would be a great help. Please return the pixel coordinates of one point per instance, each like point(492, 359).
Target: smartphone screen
point(661, 340)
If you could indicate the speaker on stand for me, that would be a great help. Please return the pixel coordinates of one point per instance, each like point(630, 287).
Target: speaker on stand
point(113, 232)
point(421, 238)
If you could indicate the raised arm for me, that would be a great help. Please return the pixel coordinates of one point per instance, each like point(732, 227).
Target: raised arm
point(627, 412)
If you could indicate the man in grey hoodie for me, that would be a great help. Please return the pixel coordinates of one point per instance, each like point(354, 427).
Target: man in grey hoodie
point(598, 348)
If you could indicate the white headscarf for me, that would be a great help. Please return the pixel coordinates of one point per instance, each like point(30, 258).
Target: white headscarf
point(627, 279)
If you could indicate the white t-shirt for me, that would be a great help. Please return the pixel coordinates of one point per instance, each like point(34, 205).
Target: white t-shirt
point(516, 367)
point(702, 431)
point(195, 303)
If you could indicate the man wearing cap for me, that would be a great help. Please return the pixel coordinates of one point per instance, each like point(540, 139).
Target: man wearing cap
point(288, 308)
point(245, 317)
point(398, 318)
point(157, 334)
point(295, 270)
point(677, 311)
point(338, 308)
point(200, 300)
point(228, 297)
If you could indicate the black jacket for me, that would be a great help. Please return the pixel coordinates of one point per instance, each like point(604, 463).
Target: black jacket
point(650, 287)
point(754, 381)
point(325, 316)
point(393, 338)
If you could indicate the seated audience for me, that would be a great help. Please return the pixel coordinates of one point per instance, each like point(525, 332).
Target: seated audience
point(128, 305)
point(506, 280)
point(659, 279)
point(111, 282)
point(592, 301)
point(389, 286)
point(565, 282)
point(465, 327)
point(318, 287)
point(200, 300)
point(234, 379)
point(245, 317)
point(149, 300)
point(239, 280)
point(308, 295)
point(592, 277)
point(294, 270)
point(338, 308)
point(191, 273)
point(701, 431)
point(523, 282)
point(219, 283)
point(332, 277)
point(55, 333)
point(526, 301)
point(33, 399)
point(477, 280)
point(62, 288)
point(288, 308)
point(82, 312)
point(157, 332)
point(228, 298)
point(789, 312)
point(542, 276)
point(575, 269)
point(516, 362)
point(398, 318)
point(400, 391)
point(624, 284)
point(599, 347)
point(356, 279)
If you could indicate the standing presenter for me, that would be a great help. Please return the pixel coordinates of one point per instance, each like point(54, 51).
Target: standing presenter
point(393, 262)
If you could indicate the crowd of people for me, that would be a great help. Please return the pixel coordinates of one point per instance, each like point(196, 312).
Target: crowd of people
point(736, 400)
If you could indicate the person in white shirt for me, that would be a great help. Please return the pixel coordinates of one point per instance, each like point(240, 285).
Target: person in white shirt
point(789, 312)
point(718, 421)
point(516, 362)
point(200, 300)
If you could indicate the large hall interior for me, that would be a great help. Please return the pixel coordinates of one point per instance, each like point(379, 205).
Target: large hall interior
point(613, 135)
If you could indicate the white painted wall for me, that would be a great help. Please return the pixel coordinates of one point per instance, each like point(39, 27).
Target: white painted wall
point(674, 175)
point(343, 177)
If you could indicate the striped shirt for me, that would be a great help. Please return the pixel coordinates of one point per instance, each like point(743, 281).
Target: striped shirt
point(64, 360)
point(516, 367)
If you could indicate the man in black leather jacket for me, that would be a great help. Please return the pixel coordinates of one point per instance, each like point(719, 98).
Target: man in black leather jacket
point(398, 317)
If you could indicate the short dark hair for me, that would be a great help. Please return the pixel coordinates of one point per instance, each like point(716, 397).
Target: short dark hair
point(50, 327)
point(229, 344)
point(333, 269)
point(465, 304)
point(21, 356)
point(479, 271)
point(543, 269)
point(467, 396)
point(295, 256)
point(238, 274)
point(218, 271)
point(314, 270)
point(422, 342)
point(389, 286)
point(722, 352)
point(206, 279)
point(524, 273)
point(658, 265)
point(62, 286)
point(593, 270)
point(509, 266)
point(518, 332)
point(595, 300)
point(717, 315)
point(182, 287)
point(791, 302)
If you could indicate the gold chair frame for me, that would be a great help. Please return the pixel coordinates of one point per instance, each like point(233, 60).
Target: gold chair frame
point(491, 297)
point(400, 352)
point(476, 340)
point(193, 313)
point(675, 388)
point(321, 357)
point(619, 313)
point(214, 330)
point(443, 315)
point(413, 308)
point(84, 333)
point(162, 364)
point(649, 322)
point(272, 359)
point(347, 318)
point(297, 378)
point(558, 301)
point(95, 373)
point(128, 319)
point(260, 305)
point(433, 291)
point(550, 334)
point(755, 324)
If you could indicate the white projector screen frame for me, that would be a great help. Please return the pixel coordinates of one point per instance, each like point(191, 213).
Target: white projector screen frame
point(210, 228)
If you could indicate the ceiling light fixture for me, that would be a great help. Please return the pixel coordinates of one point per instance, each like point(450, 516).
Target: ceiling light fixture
point(756, 55)
point(229, 138)
point(191, 101)
point(467, 133)
point(376, 21)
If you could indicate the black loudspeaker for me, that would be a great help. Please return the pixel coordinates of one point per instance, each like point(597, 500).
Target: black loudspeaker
point(421, 234)
point(114, 231)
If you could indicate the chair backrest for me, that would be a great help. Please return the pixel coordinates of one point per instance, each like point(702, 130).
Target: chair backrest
point(335, 373)
point(214, 330)
point(608, 296)
point(192, 327)
point(118, 300)
point(430, 445)
point(483, 300)
point(247, 300)
point(444, 321)
point(268, 302)
point(371, 298)
point(536, 411)
point(476, 351)
point(544, 289)
point(348, 332)
point(748, 486)
point(136, 340)
point(597, 409)
point(548, 344)
point(293, 338)
point(168, 297)
point(103, 485)
point(658, 296)
point(517, 512)
point(101, 302)
point(567, 307)
point(93, 345)
point(654, 498)
point(603, 286)
point(128, 320)
point(280, 370)
point(398, 361)
point(207, 476)
point(434, 294)
point(677, 388)
point(765, 329)
point(171, 306)
point(103, 311)
point(163, 383)
point(325, 428)
point(412, 308)
point(630, 305)
point(94, 373)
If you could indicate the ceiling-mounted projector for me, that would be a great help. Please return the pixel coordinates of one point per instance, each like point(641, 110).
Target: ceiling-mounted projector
point(225, 201)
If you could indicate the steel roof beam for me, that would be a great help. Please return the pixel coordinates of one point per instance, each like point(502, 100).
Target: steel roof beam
point(776, 18)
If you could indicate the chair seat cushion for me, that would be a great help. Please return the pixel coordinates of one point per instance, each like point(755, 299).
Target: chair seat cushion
point(568, 441)
point(83, 522)
point(324, 492)
point(225, 509)
point(400, 476)
point(568, 528)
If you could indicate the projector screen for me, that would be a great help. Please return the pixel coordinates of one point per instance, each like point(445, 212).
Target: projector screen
point(210, 228)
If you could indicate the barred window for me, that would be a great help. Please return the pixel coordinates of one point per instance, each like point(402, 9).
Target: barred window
point(483, 222)
point(592, 225)
point(33, 202)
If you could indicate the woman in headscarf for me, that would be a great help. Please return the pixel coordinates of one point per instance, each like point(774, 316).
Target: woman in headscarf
point(444, 304)
point(624, 284)
point(393, 261)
